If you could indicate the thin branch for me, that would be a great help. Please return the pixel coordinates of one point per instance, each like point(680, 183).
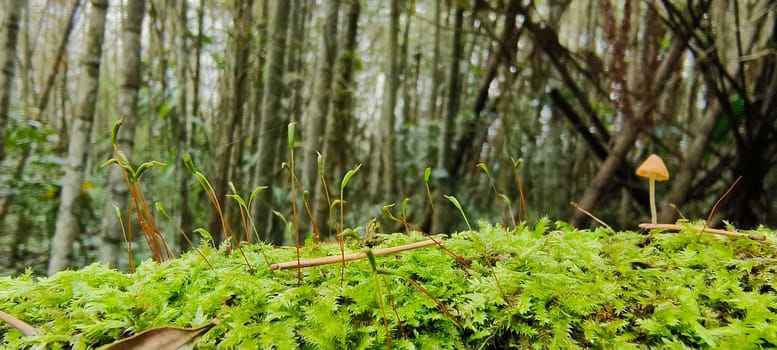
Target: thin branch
point(22, 326)
point(674, 227)
point(349, 257)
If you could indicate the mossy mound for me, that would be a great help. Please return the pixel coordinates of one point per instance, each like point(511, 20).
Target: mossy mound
point(547, 287)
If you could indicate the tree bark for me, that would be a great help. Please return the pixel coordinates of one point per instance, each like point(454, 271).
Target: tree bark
point(339, 124)
point(316, 124)
point(129, 83)
point(43, 100)
point(7, 60)
point(273, 128)
point(388, 118)
point(181, 121)
point(431, 109)
point(448, 129)
point(78, 148)
point(237, 98)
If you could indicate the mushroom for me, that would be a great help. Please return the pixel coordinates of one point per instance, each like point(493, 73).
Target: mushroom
point(654, 169)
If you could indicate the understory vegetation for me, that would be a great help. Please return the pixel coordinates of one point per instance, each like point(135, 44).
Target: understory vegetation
point(545, 286)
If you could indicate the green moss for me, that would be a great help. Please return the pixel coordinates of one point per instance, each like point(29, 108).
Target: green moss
point(568, 289)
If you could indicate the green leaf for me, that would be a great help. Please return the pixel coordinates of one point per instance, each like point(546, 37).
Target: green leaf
point(189, 163)
point(238, 199)
point(348, 176)
point(160, 208)
point(115, 130)
point(205, 234)
point(427, 174)
point(320, 163)
point(387, 212)
point(456, 203)
point(291, 135)
point(256, 191)
point(145, 166)
point(483, 167)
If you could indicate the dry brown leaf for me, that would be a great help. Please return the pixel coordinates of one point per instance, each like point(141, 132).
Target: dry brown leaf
point(25, 328)
point(162, 338)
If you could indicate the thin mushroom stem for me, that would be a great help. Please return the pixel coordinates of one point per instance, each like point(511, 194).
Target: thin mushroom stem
point(653, 218)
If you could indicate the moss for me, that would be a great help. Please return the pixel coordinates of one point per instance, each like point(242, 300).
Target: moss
point(568, 289)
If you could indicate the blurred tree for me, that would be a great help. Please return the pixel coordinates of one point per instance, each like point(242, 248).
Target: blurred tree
point(180, 116)
point(10, 25)
point(388, 171)
point(237, 97)
point(445, 149)
point(111, 238)
point(272, 133)
point(59, 58)
point(339, 123)
point(78, 147)
point(315, 124)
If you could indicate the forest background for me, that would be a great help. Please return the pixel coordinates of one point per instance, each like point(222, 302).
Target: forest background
point(570, 96)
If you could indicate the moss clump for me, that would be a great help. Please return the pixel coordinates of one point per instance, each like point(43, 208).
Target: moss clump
point(568, 289)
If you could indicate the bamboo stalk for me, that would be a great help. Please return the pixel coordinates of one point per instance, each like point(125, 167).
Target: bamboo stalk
point(674, 227)
point(350, 257)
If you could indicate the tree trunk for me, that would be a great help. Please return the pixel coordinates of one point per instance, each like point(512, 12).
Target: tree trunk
point(316, 123)
point(273, 125)
point(237, 99)
point(339, 124)
point(129, 83)
point(7, 61)
point(448, 129)
point(388, 118)
point(43, 100)
point(431, 110)
point(296, 61)
point(181, 122)
point(78, 148)
point(197, 73)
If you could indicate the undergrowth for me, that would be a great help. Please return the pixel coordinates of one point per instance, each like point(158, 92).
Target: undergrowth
point(559, 287)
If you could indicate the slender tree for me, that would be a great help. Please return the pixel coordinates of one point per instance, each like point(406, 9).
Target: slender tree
point(448, 131)
point(56, 63)
point(434, 86)
point(316, 122)
point(273, 124)
point(7, 59)
point(129, 83)
point(388, 116)
point(237, 98)
point(67, 220)
point(297, 52)
point(180, 117)
point(339, 123)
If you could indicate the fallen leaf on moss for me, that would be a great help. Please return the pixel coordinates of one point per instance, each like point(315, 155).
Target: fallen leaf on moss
point(162, 338)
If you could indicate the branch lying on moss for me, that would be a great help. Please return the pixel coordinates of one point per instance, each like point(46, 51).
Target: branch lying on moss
point(349, 257)
point(22, 326)
point(673, 227)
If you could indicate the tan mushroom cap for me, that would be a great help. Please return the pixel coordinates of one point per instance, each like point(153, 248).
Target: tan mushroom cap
point(653, 167)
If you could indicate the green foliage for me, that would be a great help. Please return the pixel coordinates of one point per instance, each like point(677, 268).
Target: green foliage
point(568, 289)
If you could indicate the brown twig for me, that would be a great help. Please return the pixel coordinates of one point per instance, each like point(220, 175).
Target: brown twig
point(22, 326)
point(349, 257)
point(592, 216)
point(673, 227)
